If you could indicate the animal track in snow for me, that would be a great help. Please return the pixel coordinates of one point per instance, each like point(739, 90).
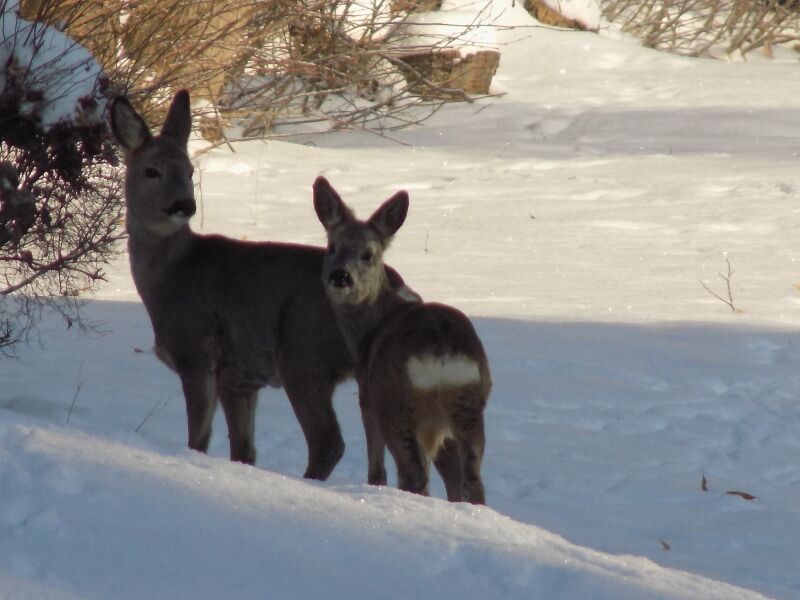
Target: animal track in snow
point(46, 519)
point(62, 479)
point(765, 352)
point(549, 127)
point(33, 406)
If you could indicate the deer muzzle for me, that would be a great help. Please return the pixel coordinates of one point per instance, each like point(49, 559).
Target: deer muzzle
point(340, 279)
point(182, 208)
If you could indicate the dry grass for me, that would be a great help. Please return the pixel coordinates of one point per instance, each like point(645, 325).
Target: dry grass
point(710, 28)
point(546, 15)
point(255, 63)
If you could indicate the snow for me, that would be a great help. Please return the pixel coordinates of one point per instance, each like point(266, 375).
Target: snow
point(462, 24)
point(574, 219)
point(59, 78)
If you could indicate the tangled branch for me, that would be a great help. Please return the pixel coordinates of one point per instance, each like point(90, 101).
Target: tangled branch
point(254, 67)
point(709, 28)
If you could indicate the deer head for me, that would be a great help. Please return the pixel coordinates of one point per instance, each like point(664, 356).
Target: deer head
point(158, 182)
point(353, 270)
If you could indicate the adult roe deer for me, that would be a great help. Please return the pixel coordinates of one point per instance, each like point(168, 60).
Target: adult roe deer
point(422, 371)
point(229, 316)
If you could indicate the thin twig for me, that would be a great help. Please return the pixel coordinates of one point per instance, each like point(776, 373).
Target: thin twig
point(77, 390)
point(157, 407)
point(727, 280)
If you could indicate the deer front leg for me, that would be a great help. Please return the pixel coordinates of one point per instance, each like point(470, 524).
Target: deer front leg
point(240, 414)
point(199, 390)
point(312, 402)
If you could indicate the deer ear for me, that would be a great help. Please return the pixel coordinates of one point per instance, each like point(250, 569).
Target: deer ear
point(390, 215)
point(330, 208)
point(178, 124)
point(129, 128)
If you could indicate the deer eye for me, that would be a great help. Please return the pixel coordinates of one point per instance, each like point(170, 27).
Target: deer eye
point(367, 256)
point(331, 249)
point(152, 173)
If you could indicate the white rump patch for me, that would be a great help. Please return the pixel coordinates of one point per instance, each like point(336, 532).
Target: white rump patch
point(429, 371)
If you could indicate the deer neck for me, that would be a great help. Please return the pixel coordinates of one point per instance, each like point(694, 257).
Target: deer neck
point(360, 323)
point(152, 255)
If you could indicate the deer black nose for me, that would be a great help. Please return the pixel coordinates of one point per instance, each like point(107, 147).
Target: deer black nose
point(182, 208)
point(340, 278)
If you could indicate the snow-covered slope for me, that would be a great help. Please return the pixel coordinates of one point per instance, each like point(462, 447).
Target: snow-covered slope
point(574, 218)
point(103, 519)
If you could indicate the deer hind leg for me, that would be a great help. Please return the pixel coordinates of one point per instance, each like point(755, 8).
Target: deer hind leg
point(312, 402)
point(376, 470)
point(412, 464)
point(469, 433)
point(200, 392)
point(240, 414)
point(450, 466)
point(471, 443)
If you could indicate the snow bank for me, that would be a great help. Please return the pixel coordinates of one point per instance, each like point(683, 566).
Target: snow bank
point(59, 80)
point(103, 519)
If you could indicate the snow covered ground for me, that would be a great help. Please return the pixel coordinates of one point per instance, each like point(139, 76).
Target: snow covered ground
point(574, 218)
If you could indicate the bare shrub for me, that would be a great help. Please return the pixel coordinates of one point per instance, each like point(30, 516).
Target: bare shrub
point(710, 28)
point(340, 64)
point(334, 64)
point(60, 197)
point(325, 64)
point(56, 233)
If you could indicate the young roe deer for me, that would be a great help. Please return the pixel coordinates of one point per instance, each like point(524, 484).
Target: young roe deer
point(229, 316)
point(422, 371)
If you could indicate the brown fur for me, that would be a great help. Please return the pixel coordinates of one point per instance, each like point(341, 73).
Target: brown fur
point(440, 418)
point(229, 316)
